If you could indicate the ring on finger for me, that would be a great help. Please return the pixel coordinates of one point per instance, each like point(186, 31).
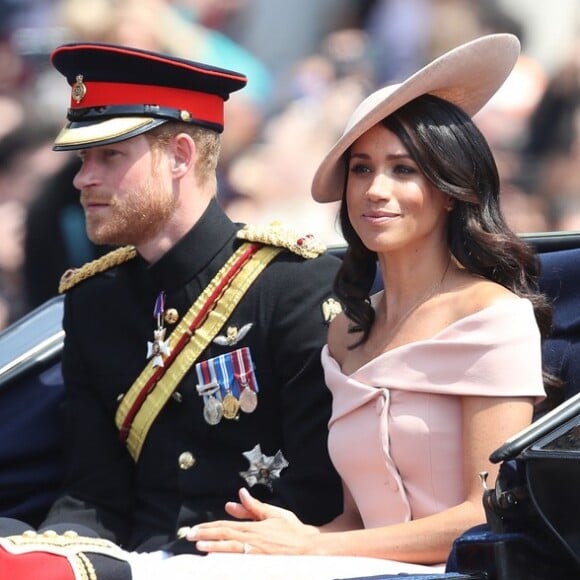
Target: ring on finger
point(246, 548)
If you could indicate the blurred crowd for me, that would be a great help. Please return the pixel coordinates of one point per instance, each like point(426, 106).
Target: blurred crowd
point(306, 74)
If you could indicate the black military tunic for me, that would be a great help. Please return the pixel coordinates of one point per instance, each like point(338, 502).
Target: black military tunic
point(188, 468)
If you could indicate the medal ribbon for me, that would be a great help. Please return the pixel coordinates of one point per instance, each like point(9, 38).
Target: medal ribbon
point(243, 369)
point(159, 308)
point(155, 385)
point(206, 385)
point(214, 378)
point(203, 375)
point(225, 370)
point(227, 367)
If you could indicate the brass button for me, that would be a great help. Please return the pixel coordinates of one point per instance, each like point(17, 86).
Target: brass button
point(171, 316)
point(186, 460)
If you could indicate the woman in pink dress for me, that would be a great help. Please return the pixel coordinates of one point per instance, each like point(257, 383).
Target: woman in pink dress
point(432, 374)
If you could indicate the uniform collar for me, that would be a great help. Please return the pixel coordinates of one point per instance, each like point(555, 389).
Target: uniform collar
point(195, 251)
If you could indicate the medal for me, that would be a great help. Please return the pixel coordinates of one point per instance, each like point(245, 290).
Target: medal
point(228, 385)
point(248, 399)
point(218, 370)
point(246, 379)
point(212, 410)
point(159, 349)
point(212, 407)
point(231, 406)
point(263, 469)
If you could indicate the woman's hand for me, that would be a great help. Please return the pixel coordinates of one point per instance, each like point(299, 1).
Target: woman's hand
point(273, 531)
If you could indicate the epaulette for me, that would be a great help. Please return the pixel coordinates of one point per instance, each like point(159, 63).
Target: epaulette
point(75, 275)
point(275, 234)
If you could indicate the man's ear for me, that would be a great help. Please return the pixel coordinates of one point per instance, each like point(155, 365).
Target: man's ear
point(184, 154)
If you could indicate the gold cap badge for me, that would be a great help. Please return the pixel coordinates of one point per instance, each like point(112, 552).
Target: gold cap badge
point(79, 89)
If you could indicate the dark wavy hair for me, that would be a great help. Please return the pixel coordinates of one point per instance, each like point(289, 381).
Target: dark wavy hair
point(455, 157)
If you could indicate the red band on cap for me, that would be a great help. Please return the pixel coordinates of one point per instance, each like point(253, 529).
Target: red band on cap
point(203, 106)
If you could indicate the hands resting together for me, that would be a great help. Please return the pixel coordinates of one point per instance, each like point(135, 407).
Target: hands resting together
point(262, 529)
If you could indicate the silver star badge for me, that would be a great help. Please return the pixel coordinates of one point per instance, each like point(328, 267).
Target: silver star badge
point(264, 469)
point(159, 348)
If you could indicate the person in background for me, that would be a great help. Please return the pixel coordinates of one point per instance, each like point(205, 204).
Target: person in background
point(26, 162)
point(433, 372)
point(55, 235)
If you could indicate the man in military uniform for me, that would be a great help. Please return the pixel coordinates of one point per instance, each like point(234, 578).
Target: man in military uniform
point(191, 358)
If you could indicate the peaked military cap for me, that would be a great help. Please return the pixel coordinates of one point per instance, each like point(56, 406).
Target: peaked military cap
point(118, 92)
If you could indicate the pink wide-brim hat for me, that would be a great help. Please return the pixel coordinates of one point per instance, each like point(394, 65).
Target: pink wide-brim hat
point(467, 76)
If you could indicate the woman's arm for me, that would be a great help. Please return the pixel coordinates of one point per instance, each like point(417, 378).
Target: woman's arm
point(487, 423)
point(349, 519)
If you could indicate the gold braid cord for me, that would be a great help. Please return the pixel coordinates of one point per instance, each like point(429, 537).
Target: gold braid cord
point(66, 544)
point(75, 275)
point(275, 234)
point(83, 567)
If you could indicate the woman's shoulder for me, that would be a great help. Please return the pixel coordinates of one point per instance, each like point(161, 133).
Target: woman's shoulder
point(472, 294)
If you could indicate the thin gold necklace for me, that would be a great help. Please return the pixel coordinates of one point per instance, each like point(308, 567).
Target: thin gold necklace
point(429, 294)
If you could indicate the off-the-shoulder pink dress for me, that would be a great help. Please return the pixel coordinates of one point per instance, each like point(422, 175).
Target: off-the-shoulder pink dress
point(395, 431)
point(395, 437)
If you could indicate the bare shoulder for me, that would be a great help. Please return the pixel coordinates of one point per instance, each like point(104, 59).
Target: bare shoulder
point(473, 293)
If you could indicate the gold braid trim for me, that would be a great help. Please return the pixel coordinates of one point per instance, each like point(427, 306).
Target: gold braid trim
point(66, 544)
point(75, 275)
point(275, 234)
point(83, 567)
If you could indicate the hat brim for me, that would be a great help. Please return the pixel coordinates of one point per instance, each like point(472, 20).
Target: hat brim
point(467, 76)
point(78, 135)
